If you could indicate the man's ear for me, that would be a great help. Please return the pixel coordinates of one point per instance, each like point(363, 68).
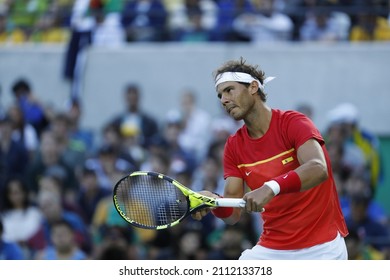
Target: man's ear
point(253, 87)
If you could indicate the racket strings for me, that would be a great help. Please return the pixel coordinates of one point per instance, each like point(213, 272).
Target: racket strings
point(150, 201)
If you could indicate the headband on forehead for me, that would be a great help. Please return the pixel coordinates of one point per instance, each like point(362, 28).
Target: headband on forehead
point(240, 77)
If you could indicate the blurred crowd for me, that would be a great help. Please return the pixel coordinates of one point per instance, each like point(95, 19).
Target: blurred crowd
point(56, 180)
point(117, 22)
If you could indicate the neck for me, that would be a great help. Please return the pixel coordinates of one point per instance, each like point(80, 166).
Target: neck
point(66, 253)
point(258, 121)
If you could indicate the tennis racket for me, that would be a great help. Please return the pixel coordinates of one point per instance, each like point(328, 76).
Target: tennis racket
point(152, 200)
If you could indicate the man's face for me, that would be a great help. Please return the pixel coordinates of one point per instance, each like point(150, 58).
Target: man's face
point(236, 99)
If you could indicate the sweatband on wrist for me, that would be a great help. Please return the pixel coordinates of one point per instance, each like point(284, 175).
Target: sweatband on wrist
point(275, 187)
point(222, 212)
point(289, 182)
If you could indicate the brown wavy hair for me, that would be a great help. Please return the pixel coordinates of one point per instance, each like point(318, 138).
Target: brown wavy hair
point(241, 66)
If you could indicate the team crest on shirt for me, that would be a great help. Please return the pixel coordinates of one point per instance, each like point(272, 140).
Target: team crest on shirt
point(287, 160)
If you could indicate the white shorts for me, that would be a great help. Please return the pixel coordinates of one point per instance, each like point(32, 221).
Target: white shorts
point(332, 250)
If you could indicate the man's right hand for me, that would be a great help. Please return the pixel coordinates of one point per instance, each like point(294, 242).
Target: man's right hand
point(198, 215)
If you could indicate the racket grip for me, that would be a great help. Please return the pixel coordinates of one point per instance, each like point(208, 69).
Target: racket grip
point(231, 202)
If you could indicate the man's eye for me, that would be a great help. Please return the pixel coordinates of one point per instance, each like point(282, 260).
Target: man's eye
point(219, 96)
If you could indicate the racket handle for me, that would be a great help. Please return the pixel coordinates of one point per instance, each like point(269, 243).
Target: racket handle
point(232, 202)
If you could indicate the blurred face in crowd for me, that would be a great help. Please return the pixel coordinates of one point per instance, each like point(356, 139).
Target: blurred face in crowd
point(5, 130)
point(63, 238)
point(187, 102)
point(16, 114)
point(16, 193)
point(132, 99)
point(89, 181)
point(232, 243)
point(50, 204)
point(49, 148)
point(190, 242)
point(49, 183)
point(60, 127)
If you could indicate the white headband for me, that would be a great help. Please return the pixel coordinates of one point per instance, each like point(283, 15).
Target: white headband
point(240, 77)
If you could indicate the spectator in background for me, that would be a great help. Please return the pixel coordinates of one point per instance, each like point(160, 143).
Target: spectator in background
point(9, 250)
point(111, 136)
point(82, 23)
point(3, 28)
point(105, 223)
point(209, 176)
point(50, 29)
point(118, 244)
point(182, 160)
point(80, 138)
point(53, 212)
point(21, 218)
point(359, 250)
point(33, 111)
point(115, 136)
point(109, 166)
point(370, 27)
point(23, 131)
point(135, 117)
point(372, 232)
point(74, 156)
point(362, 144)
point(13, 35)
point(325, 26)
point(144, 20)
point(192, 17)
point(131, 144)
point(190, 245)
point(25, 14)
point(91, 193)
point(14, 158)
point(53, 180)
point(228, 10)
point(265, 25)
point(194, 32)
point(195, 135)
point(49, 157)
point(64, 245)
point(108, 31)
point(358, 184)
point(231, 243)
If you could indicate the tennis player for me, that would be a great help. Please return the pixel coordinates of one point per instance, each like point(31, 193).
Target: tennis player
point(281, 157)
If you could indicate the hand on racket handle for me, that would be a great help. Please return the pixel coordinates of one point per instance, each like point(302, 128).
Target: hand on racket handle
point(229, 202)
point(220, 202)
point(256, 199)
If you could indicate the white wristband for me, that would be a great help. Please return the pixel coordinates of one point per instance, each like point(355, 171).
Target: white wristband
point(274, 186)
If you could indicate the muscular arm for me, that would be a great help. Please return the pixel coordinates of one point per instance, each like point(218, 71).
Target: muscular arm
point(313, 168)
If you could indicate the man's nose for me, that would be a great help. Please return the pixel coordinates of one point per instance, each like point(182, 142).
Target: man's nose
point(224, 100)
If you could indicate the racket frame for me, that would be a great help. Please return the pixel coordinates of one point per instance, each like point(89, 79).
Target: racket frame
point(196, 201)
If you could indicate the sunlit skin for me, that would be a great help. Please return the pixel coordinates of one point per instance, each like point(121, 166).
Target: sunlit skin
point(242, 102)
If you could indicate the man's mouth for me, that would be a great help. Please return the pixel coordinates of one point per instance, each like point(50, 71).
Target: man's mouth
point(230, 108)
